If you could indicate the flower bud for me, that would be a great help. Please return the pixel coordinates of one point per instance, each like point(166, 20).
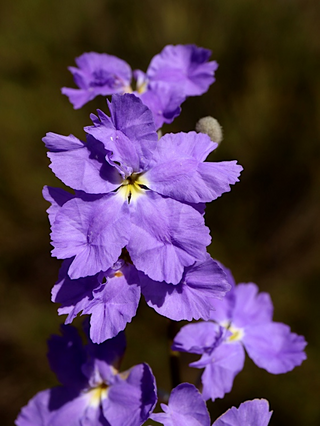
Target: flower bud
point(211, 127)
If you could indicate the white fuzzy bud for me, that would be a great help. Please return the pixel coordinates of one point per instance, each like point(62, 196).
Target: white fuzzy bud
point(211, 127)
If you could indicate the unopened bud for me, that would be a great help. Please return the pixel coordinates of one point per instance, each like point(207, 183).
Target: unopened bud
point(211, 127)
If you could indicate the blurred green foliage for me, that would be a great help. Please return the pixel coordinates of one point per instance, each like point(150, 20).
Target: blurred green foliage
point(267, 230)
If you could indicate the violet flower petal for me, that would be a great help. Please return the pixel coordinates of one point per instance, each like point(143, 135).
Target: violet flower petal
point(78, 97)
point(82, 410)
point(36, 412)
point(273, 347)
point(223, 309)
point(131, 398)
point(186, 66)
point(82, 166)
point(198, 338)
point(97, 231)
point(73, 295)
point(243, 306)
point(192, 297)
point(92, 62)
point(57, 197)
point(217, 378)
point(166, 236)
point(66, 356)
point(104, 359)
point(44, 408)
point(179, 175)
point(251, 307)
point(186, 407)
point(164, 101)
point(129, 134)
point(114, 304)
point(97, 74)
point(180, 146)
point(111, 304)
point(249, 413)
point(58, 406)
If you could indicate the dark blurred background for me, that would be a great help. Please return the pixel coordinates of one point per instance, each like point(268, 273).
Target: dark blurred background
point(267, 230)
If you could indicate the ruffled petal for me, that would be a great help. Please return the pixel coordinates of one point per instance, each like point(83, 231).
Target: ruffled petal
point(36, 412)
point(129, 134)
point(186, 66)
point(198, 338)
point(83, 410)
point(251, 307)
point(192, 297)
point(255, 412)
point(217, 378)
point(73, 295)
point(104, 359)
point(273, 347)
point(59, 406)
point(180, 174)
point(97, 74)
point(57, 197)
point(78, 97)
point(164, 101)
point(131, 398)
point(166, 237)
point(114, 304)
point(97, 231)
point(186, 407)
point(66, 357)
point(183, 146)
point(82, 166)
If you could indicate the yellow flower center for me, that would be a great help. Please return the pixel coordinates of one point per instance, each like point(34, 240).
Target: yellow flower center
point(236, 333)
point(142, 88)
point(132, 187)
point(97, 394)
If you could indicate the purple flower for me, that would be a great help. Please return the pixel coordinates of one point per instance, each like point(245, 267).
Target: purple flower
point(112, 297)
point(184, 65)
point(243, 319)
point(93, 392)
point(255, 413)
point(192, 298)
point(174, 74)
point(134, 191)
point(97, 74)
point(186, 407)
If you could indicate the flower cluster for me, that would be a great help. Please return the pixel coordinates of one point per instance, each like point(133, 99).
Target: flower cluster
point(93, 391)
point(243, 319)
point(187, 407)
point(133, 224)
point(135, 219)
point(173, 75)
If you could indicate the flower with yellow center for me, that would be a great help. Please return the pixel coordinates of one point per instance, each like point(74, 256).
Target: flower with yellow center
point(133, 187)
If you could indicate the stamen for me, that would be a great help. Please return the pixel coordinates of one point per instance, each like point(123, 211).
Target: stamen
point(133, 186)
point(97, 394)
